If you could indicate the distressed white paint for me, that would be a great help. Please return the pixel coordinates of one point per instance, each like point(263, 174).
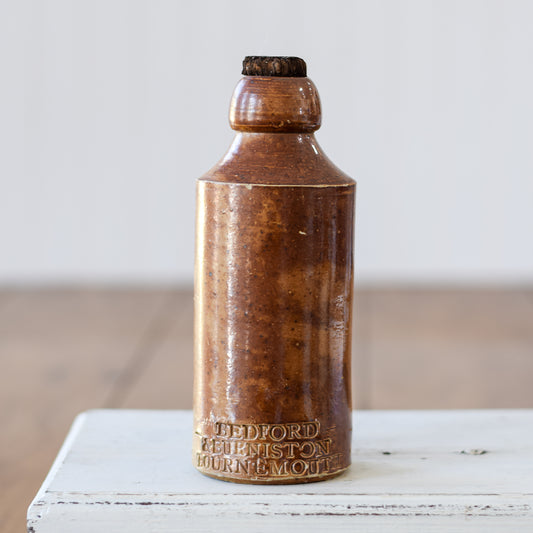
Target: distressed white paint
point(122, 470)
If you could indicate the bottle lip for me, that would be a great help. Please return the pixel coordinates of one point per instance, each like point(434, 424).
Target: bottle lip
point(275, 104)
point(274, 66)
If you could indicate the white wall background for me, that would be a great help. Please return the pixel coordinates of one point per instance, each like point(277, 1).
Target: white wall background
point(109, 110)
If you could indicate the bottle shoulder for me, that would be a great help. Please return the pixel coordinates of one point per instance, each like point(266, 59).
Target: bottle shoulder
point(277, 159)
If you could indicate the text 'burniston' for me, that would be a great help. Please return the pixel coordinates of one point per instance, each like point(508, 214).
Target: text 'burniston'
point(268, 450)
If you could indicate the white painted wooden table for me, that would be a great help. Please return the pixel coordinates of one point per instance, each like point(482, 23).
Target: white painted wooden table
point(122, 470)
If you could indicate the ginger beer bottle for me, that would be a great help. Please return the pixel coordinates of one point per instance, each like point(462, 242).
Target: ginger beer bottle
point(273, 291)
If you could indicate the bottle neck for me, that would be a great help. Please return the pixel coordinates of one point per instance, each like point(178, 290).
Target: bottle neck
point(275, 105)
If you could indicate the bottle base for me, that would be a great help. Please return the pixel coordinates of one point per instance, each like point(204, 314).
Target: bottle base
point(276, 480)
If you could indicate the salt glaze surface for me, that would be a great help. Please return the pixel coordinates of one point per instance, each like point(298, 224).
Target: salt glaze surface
point(273, 291)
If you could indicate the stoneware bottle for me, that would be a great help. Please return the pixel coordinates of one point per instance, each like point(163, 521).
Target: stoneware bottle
point(273, 291)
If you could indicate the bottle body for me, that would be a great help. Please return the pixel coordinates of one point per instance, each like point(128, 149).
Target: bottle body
point(273, 308)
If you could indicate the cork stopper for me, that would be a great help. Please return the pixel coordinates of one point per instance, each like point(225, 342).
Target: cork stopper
point(280, 66)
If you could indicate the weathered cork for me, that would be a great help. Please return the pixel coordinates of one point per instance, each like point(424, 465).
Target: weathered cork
point(283, 66)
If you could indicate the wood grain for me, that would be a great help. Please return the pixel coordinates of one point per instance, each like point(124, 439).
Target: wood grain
point(166, 379)
point(361, 349)
point(64, 351)
point(61, 352)
point(442, 349)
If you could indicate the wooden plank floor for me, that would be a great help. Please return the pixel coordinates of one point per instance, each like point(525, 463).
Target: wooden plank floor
point(65, 351)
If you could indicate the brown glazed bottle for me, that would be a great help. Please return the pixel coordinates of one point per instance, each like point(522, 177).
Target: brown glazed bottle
point(273, 291)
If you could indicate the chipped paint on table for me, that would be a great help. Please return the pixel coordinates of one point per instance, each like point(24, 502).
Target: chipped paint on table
point(128, 470)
